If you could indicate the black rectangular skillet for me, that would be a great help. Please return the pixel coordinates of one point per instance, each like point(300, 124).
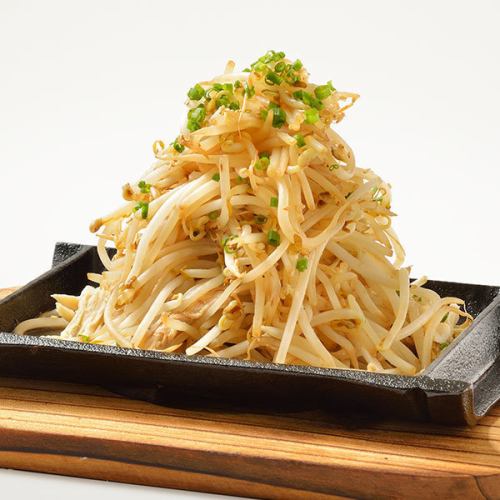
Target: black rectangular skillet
point(458, 388)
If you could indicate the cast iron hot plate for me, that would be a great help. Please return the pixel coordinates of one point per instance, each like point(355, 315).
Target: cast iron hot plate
point(458, 388)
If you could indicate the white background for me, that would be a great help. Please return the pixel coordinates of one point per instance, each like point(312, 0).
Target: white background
point(86, 87)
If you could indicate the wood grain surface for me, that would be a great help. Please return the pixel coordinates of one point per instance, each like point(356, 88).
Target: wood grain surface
point(86, 431)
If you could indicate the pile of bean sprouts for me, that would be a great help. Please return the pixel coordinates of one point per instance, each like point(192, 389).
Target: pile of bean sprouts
point(255, 236)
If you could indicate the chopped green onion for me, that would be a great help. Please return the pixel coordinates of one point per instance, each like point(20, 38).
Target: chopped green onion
point(143, 207)
point(264, 154)
point(178, 146)
point(237, 84)
point(249, 91)
point(322, 91)
point(299, 138)
point(259, 67)
point(273, 79)
point(312, 115)
point(273, 238)
point(269, 57)
point(280, 67)
point(225, 242)
point(247, 70)
point(301, 264)
point(213, 215)
point(228, 87)
point(144, 187)
point(279, 116)
point(297, 65)
point(234, 106)
point(216, 177)
point(192, 125)
point(262, 163)
point(196, 93)
point(218, 87)
point(332, 88)
point(223, 100)
point(260, 219)
point(274, 201)
point(292, 79)
point(196, 117)
point(333, 166)
point(85, 338)
point(444, 345)
point(445, 317)
point(309, 99)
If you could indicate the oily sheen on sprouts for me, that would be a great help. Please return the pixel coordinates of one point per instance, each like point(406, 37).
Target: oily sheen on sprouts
point(254, 235)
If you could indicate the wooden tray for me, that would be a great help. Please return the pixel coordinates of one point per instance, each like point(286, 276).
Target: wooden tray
point(86, 431)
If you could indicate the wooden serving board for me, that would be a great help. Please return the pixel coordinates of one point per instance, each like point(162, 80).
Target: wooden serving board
point(86, 431)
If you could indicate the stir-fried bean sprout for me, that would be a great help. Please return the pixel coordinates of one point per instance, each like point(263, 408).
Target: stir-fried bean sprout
point(256, 236)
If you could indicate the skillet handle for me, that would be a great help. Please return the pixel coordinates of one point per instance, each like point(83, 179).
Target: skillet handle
point(474, 358)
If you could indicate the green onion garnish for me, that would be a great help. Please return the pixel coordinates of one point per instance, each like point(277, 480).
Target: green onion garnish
point(196, 117)
point(298, 95)
point(322, 91)
point(262, 163)
point(259, 67)
point(301, 264)
point(143, 207)
point(445, 317)
point(196, 93)
point(279, 116)
point(216, 177)
point(249, 91)
point(297, 65)
point(213, 215)
point(178, 146)
point(444, 345)
point(309, 99)
point(144, 187)
point(223, 100)
point(260, 219)
point(234, 106)
point(273, 238)
point(280, 67)
point(299, 138)
point(225, 242)
point(274, 201)
point(333, 166)
point(273, 79)
point(312, 115)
